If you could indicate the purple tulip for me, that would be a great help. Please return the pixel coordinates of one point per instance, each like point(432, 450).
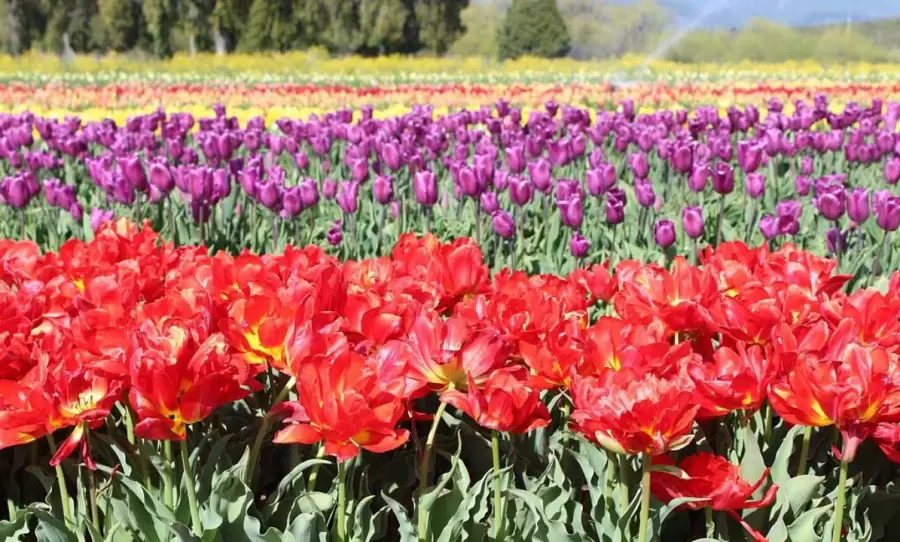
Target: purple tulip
point(831, 202)
point(390, 154)
point(539, 171)
point(521, 191)
point(615, 211)
point(309, 193)
point(348, 197)
point(692, 221)
point(291, 203)
point(640, 167)
point(802, 185)
point(100, 217)
point(756, 185)
point(892, 170)
point(468, 184)
point(426, 188)
point(383, 189)
point(329, 188)
point(749, 156)
point(335, 234)
point(489, 203)
point(835, 241)
point(644, 193)
point(77, 211)
point(515, 159)
point(578, 245)
point(571, 212)
point(683, 159)
point(698, 178)
point(503, 224)
point(133, 171)
point(887, 215)
point(269, 194)
point(768, 226)
point(664, 233)
point(161, 176)
point(858, 205)
point(807, 166)
point(723, 179)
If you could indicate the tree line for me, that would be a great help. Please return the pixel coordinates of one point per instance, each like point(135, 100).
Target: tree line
point(488, 28)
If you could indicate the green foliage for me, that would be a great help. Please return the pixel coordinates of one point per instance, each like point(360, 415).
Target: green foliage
point(158, 14)
point(119, 24)
point(533, 27)
point(440, 23)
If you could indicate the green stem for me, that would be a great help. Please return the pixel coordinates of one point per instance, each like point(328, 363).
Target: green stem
point(839, 507)
point(342, 502)
point(425, 470)
point(61, 481)
point(624, 475)
point(645, 497)
point(767, 424)
point(314, 473)
point(498, 490)
point(804, 450)
point(191, 490)
point(168, 485)
point(250, 471)
point(92, 489)
point(132, 439)
point(710, 523)
point(719, 220)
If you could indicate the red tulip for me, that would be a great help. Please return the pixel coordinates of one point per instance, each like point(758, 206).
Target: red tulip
point(504, 404)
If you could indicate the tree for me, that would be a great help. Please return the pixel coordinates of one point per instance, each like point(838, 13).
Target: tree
point(387, 26)
point(533, 27)
point(158, 17)
point(311, 18)
point(440, 23)
point(257, 35)
point(119, 24)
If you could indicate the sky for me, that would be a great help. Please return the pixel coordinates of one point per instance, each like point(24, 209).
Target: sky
point(795, 12)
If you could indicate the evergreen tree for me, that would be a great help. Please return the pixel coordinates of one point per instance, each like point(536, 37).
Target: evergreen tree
point(343, 33)
point(440, 23)
point(533, 27)
point(387, 26)
point(311, 19)
point(119, 24)
point(258, 34)
point(158, 17)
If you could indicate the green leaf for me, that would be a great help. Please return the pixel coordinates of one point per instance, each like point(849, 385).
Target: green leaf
point(51, 529)
point(800, 490)
point(671, 470)
point(804, 528)
point(406, 530)
point(17, 527)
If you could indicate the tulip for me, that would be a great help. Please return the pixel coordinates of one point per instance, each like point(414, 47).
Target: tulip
point(329, 188)
point(683, 159)
point(503, 224)
point(887, 215)
point(723, 179)
point(383, 189)
point(640, 167)
point(539, 171)
point(836, 242)
point(755, 185)
point(426, 188)
point(768, 226)
point(100, 217)
point(664, 233)
point(698, 178)
point(692, 221)
point(515, 159)
point(858, 205)
point(578, 245)
point(571, 212)
point(489, 203)
point(749, 156)
point(521, 191)
point(348, 197)
point(390, 154)
point(644, 193)
point(335, 234)
point(807, 166)
point(892, 170)
point(831, 202)
point(466, 181)
point(615, 212)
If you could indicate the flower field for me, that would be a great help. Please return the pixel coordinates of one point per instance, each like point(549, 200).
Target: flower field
point(527, 310)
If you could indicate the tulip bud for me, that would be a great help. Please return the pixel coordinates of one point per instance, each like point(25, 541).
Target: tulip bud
point(807, 166)
point(348, 197)
point(309, 193)
point(466, 181)
point(683, 159)
point(161, 177)
point(503, 224)
point(571, 212)
point(521, 191)
point(888, 214)
point(802, 185)
point(539, 171)
point(329, 188)
point(335, 235)
point(426, 188)
point(490, 203)
point(858, 205)
point(692, 221)
point(639, 165)
point(768, 226)
point(749, 156)
point(615, 211)
point(723, 179)
point(831, 202)
point(383, 189)
point(755, 185)
point(578, 245)
point(291, 203)
point(698, 178)
point(77, 211)
point(892, 170)
point(664, 232)
point(835, 241)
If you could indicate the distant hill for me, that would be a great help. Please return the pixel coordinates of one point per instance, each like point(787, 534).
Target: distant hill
point(736, 13)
